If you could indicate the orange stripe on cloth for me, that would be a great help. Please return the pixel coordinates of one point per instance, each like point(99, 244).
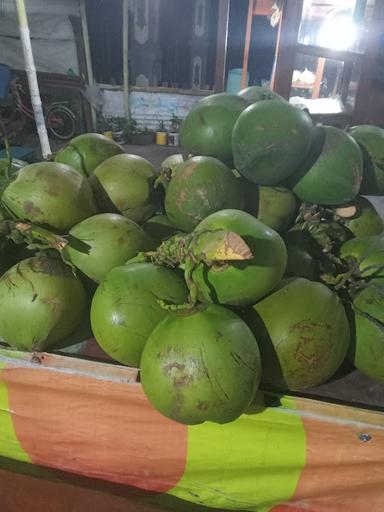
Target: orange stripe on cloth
point(342, 473)
point(94, 427)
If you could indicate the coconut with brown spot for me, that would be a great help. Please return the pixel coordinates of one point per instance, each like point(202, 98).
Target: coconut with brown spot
point(303, 334)
point(50, 193)
point(201, 366)
point(202, 185)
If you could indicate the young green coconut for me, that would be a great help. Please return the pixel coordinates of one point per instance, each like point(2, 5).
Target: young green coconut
point(274, 206)
point(50, 194)
point(201, 365)
point(371, 141)
point(303, 334)
point(199, 187)
point(43, 303)
point(207, 129)
point(102, 242)
point(86, 151)
point(367, 347)
point(230, 258)
point(126, 307)
point(125, 184)
point(332, 171)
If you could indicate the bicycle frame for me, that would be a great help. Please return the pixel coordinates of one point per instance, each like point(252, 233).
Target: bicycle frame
point(59, 118)
point(18, 90)
point(20, 106)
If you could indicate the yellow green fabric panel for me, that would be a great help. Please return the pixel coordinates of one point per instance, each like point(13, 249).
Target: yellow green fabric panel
point(253, 463)
point(9, 445)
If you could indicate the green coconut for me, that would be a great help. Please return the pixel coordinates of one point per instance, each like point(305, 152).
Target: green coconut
point(207, 129)
point(103, 242)
point(303, 334)
point(51, 194)
point(86, 151)
point(201, 186)
point(334, 177)
point(202, 366)
point(159, 228)
point(269, 141)
point(366, 221)
point(170, 163)
point(125, 184)
point(367, 347)
point(367, 253)
point(256, 93)
point(371, 141)
point(42, 303)
point(274, 206)
point(8, 171)
point(242, 282)
point(125, 308)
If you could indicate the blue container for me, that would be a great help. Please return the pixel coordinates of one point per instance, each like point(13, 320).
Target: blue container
point(234, 80)
point(5, 79)
point(20, 152)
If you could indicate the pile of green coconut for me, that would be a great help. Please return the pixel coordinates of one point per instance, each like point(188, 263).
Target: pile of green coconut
point(254, 258)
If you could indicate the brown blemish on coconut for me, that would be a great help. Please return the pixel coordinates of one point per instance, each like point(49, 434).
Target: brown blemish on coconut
point(31, 209)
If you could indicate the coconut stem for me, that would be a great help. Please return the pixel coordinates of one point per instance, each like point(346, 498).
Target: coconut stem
point(38, 237)
point(204, 246)
point(199, 247)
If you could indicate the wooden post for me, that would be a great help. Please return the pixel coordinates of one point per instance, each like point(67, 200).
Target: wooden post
point(125, 59)
point(88, 58)
point(247, 42)
point(32, 78)
point(221, 45)
point(368, 63)
point(286, 47)
point(318, 78)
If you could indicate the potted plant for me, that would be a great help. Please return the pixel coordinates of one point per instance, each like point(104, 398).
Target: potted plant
point(174, 133)
point(137, 135)
point(118, 131)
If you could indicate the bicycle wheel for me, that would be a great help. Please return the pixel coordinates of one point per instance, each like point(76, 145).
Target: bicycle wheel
point(61, 122)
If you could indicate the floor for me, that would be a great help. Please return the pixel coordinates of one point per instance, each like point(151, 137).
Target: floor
point(154, 153)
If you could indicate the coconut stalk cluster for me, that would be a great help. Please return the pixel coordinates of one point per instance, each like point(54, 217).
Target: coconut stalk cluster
point(254, 258)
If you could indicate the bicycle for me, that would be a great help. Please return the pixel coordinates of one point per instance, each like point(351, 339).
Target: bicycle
point(59, 119)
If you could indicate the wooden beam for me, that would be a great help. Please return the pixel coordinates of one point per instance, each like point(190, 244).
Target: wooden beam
point(329, 53)
point(77, 83)
point(263, 8)
point(318, 77)
point(221, 45)
point(345, 80)
point(247, 42)
point(368, 64)
point(286, 47)
point(88, 57)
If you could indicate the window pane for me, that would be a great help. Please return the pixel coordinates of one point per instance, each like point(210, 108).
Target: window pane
point(324, 85)
point(335, 24)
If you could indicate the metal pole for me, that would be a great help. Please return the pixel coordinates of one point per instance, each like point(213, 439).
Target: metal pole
point(125, 59)
point(32, 78)
point(88, 58)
